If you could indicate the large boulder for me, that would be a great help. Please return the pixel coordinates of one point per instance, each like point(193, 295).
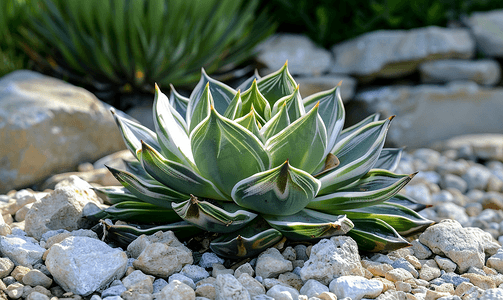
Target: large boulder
point(304, 57)
point(430, 113)
point(48, 126)
point(487, 27)
point(393, 53)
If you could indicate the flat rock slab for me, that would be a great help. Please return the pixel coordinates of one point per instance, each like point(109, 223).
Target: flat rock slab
point(487, 27)
point(312, 85)
point(484, 71)
point(304, 57)
point(48, 126)
point(428, 113)
point(393, 53)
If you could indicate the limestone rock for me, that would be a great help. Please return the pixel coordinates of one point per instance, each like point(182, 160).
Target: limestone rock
point(62, 209)
point(51, 126)
point(332, 258)
point(312, 85)
point(303, 56)
point(6, 266)
point(280, 292)
point(252, 285)
point(227, 287)
point(177, 290)
point(393, 53)
point(430, 113)
point(138, 281)
point(160, 254)
point(464, 246)
point(271, 263)
point(487, 27)
point(22, 250)
point(35, 277)
point(355, 287)
point(312, 288)
point(484, 72)
point(82, 265)
point(496, 261)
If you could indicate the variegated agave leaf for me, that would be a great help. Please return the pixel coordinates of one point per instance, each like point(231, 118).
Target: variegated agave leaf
point(259, 164)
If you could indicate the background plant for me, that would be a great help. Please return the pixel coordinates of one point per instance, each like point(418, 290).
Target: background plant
point(126, 45)
point(13, 15)
point(328, 22)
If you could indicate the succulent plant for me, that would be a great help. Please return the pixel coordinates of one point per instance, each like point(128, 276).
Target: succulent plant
point(257, 164)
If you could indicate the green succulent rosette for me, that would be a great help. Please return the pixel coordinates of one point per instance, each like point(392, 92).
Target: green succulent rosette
point(260, 163)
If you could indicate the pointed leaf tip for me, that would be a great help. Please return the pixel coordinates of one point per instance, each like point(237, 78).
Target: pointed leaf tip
point(392, 117)
point(413, 174)
point(339, 84)
point(156, 87)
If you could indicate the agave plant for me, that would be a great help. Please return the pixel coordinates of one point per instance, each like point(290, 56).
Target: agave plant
point(257, 164)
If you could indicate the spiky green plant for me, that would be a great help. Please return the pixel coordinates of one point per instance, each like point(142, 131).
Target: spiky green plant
point(122, 45)
point(258, 165)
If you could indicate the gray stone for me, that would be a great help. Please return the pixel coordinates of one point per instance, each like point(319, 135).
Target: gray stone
point(139, 282)
point(208, 259)
point(312, 85)
point(452, 211)
point(355, 287)
point(244, 268)
point(6, 266)
point(195, 273)
point(420, 250)
point(485, 72)
point(271, 263)
point(35, 277)
point(82, 265)
point(453, 181)
point(62, 209)
point(430, 113)
point(332, 258)
point(487, 146)
point(492, 294)
point(304, 57)
point(21, 250)
point(394, 53)
point(252, 285)
point(419, 192)
point(176, 290)
point(300, 250)
point(487, 28)
point(464, 246)
point(404, 264)
point(227, 287)
point(453, 278)
point(182, 278)
point(312, 288)
point(477, 177)
point(442, 197)
point(52, 126)
point(280, 292)
point(160, 254)
point(445, 264)
point(159, 284)
point(115, 290)
point(496, 261)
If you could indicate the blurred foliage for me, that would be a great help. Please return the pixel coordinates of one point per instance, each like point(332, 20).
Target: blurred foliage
point(128, 45)
point(328, 22)
point(13, 14)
